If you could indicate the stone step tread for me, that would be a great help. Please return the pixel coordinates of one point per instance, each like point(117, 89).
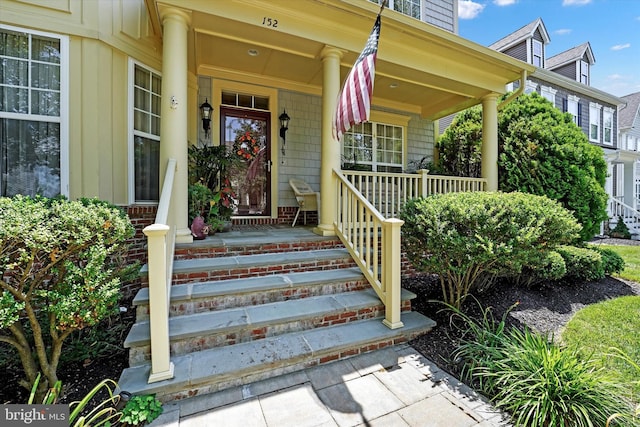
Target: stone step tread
point(253, 260)
point(198, 290)
point(247, 237)
point(222, 363)
point(257, 316)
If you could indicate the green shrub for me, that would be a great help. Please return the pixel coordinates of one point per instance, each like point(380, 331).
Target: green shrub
point(541, 151)
point(549, 267)
point(537, 382)
point(620, 230)
point(61, 265)
point(612, 262)
point(583, 264)
point(469, 238)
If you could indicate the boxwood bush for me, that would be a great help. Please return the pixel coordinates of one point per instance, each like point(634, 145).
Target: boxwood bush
point(469, 239)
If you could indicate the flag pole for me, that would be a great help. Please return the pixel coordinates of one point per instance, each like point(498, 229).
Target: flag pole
point(382, 6)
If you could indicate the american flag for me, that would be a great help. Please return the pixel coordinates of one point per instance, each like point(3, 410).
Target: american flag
point(354, 101)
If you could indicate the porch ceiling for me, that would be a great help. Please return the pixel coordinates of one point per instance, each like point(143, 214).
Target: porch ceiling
point(420, 67)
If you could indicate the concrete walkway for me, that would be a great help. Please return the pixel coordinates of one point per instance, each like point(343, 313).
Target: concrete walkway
point(390, 387)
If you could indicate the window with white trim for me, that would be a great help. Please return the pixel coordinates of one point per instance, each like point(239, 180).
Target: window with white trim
point(530, 87)
point(584, 72)
point(406, 7)
point(607, 126)
point(537, 53)
point(33, 113)
point(548, 93)
point(594, 122)
point(572, 107)
point(144, 130)
point(372, 146)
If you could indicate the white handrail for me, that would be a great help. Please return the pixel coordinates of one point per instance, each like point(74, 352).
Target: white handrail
point(374, 244)
point(160, 247)
point(629, 215)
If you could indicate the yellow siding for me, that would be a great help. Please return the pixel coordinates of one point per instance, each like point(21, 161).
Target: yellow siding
point(103, 35)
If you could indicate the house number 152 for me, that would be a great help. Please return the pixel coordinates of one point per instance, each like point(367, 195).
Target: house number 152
point(270, 22)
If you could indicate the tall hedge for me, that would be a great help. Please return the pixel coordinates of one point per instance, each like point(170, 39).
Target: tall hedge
point(541, 151)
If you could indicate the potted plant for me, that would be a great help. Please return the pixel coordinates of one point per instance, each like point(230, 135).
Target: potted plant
point(200, 197)
point(210, 166)
point(222, 207)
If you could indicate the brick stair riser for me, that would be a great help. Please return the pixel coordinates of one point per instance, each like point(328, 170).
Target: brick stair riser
point(255, 271)
point(141, 354)
point(225, 382)
point(218, 251)
point(223, 302)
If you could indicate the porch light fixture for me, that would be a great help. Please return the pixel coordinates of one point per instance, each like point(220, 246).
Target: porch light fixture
point(284, 126)
point(205, 112)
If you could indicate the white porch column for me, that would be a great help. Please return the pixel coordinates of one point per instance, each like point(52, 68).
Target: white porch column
point(173, 127)
point(629, 183)
point(490, 141)
point(330, 152)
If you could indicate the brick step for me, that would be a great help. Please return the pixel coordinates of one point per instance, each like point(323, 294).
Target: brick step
point(242, 266)
point(220, 368)
point(249, 242)
point(201, 297)
point(218, 328)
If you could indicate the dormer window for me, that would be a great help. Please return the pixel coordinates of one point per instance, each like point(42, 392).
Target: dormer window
point(584, 72)
point(537, 54)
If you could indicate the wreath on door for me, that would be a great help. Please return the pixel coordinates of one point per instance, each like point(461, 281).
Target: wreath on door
point(246, 146)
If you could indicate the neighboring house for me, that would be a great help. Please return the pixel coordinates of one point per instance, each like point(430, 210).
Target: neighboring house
point(564, 79)
point(627, 157)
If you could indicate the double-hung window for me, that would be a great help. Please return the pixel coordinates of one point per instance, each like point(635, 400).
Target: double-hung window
point(594, 122)
point(537, 53)
point(373, 146)
point(549, 94)
point(607, 126)
point(33, 113)
point(584, 72)
point(573, 109)
point(145, 91)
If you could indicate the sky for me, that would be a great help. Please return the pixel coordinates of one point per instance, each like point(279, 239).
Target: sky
point(612, 27)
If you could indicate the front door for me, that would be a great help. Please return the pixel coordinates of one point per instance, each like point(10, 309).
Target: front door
point(246, 134)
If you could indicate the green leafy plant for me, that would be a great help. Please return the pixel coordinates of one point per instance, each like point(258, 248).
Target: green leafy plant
point(140, 410)
point(536, 381)
point(200, 197)
point(620, 230)
point(472, 239)
point(541, 151)
point(583, 264)
point(103, 413)
point(61, 266)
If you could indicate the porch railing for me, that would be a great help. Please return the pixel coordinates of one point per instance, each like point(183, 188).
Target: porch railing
point(388, 192)
point(160, 247)
point(629, 215)
point(374, 244)
point(367, 206)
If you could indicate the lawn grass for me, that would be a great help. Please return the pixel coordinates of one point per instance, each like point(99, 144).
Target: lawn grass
point(631, 256)
point(598, 328)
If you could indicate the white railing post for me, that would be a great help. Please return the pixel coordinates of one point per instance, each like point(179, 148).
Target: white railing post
point(424, 184)
point(161, 365)
point(391, 268)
